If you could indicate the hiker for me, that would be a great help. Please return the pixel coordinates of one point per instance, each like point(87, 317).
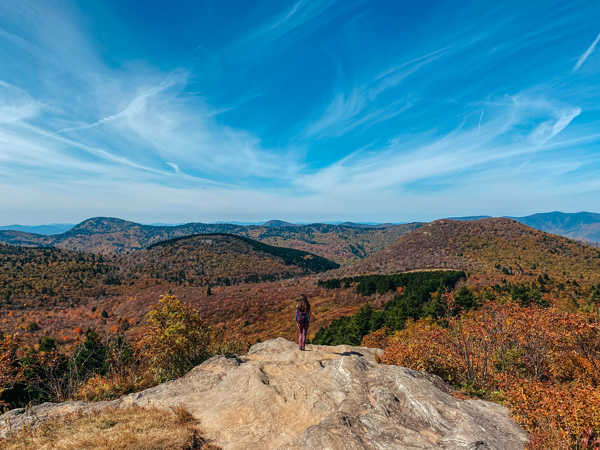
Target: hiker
point(302, 320)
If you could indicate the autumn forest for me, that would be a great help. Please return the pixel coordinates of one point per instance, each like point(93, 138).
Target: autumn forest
point(497, 309)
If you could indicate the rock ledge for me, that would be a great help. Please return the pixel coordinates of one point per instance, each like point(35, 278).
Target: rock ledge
point(277, 397)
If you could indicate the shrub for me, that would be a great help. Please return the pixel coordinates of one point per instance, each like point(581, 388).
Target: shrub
point(176, 338)
point(542, 363)
point(90, 356)
point(376, 339)
point(99, 388)
point(557, 415)
point(10, 370)
point(225, 341)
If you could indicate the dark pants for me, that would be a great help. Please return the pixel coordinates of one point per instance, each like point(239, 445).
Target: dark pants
point(303, 329)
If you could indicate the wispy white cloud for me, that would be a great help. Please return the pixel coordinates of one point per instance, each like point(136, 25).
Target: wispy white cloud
point(79, 130)
point(139, 124)
point(138, 103)
point(586, 54)
point(174, 166)
point(16, 105)
point(349, 110)
point(502, 137)
point(548, 129)
point(302, 17)
point(287, 16)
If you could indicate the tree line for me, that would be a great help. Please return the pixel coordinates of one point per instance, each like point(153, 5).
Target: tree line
point(415, 300)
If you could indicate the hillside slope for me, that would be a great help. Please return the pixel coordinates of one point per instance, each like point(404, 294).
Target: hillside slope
point(219, 259)
point(483, 247)
point(334, 398)
point(23, 238)
point(50, 276)
point(46, 276)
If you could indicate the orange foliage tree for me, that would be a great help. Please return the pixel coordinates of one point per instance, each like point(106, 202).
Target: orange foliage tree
point(10, 370)
point(542, 363)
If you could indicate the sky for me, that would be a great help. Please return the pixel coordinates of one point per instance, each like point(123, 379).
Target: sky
point(302, 110)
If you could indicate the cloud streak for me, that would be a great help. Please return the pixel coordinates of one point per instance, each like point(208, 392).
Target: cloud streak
point(586, 54)
point(350, 110)
point(16, 105)
point(456, 152)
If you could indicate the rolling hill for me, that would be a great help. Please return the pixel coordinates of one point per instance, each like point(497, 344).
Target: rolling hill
point(219, 259)
point(343, 244)
point(278, 223)
point(484, 246)
point(48, 276)
point(23, 238)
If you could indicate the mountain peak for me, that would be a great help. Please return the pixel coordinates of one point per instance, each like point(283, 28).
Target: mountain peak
point(102, 225)
point(278, 223)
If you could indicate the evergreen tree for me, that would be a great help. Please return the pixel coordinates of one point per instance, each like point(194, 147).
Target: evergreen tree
point(464, 300)
point(90, 355)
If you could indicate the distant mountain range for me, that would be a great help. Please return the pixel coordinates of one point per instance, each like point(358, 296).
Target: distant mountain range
point(58, 228)
point(584, 226)
point(53, 228)
point(342, 244)
point(281, 223)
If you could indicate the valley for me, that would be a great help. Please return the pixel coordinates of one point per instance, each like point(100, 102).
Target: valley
point(236, 280)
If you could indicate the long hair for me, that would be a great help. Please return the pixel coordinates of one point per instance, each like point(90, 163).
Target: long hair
point(303, 304)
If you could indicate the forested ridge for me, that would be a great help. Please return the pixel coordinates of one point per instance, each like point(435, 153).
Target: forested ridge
point(220, 259)
point(342, 244)
point(51, 275)
point(485, 247)
point(48, 276)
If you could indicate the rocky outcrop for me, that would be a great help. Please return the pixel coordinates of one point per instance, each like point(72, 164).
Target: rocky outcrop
point(277, 397)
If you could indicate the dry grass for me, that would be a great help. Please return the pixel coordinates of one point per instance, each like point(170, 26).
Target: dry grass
point(182, 416)
point(132, 428)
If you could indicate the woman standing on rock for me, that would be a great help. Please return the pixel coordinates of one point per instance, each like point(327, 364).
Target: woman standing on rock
point(302, 319)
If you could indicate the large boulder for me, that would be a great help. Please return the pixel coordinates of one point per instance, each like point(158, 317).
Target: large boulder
point(277, 397)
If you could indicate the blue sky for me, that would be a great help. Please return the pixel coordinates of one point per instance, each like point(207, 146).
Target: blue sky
point(303, 110)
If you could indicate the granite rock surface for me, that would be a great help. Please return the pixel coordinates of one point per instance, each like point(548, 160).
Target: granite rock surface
point(335, 398)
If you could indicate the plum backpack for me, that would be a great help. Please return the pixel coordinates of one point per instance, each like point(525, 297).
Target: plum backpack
point(302, 317)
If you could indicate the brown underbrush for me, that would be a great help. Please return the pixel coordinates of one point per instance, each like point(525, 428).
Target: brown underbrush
point(132, 428)
point(543, 364)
